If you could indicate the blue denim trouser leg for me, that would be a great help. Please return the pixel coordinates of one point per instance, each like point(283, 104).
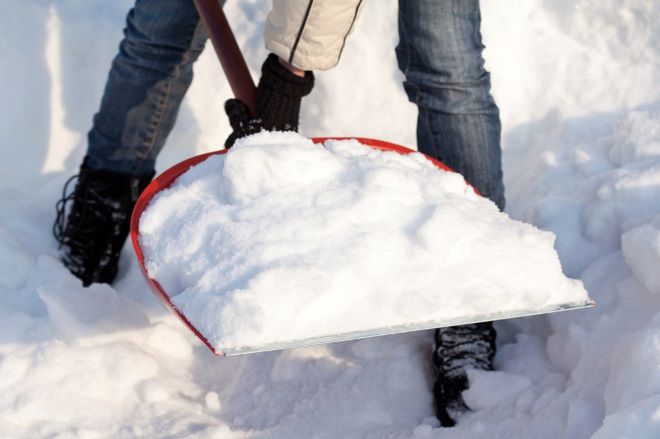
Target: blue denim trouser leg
point(439, 52)
point(147, 81)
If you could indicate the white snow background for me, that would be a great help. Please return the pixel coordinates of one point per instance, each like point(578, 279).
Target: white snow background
point(578, 85)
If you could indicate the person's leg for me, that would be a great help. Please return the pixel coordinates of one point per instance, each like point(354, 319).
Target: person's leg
point(439, 53)
point(145, 87)
point(147, 81)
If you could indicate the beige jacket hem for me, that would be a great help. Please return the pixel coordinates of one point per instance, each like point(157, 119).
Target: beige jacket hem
point(310, 34)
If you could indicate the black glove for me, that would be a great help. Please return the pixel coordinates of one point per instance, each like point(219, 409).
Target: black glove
point(278, 102)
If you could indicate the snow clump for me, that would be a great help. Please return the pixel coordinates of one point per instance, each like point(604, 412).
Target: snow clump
point(283, 240)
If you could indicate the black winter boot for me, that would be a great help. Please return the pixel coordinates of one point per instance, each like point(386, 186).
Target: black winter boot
point(456, 349)
point(93, 232)
point(278, 99)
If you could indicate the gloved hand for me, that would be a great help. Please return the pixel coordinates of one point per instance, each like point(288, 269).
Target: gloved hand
point(278, 102)
point(242, 124)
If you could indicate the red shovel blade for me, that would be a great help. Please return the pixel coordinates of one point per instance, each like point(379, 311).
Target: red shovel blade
point(168, 177)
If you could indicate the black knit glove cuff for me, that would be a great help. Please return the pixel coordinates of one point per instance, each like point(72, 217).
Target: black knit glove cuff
point(279, 95)
point(278, 78)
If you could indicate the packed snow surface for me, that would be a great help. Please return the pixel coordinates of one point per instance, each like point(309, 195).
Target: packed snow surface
point(282, 239)
point(578, 87)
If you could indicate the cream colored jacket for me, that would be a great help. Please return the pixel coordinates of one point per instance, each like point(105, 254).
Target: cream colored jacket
point(310, 34)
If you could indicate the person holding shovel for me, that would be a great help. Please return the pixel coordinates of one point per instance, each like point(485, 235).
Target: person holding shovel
point(439, 53)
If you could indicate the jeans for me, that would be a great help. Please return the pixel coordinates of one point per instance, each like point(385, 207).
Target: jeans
point(439, 52)
point(145, 87)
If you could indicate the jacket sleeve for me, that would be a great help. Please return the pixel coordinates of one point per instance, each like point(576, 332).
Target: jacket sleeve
point(310, 34)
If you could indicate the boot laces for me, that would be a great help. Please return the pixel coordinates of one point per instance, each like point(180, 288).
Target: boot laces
point(81, 214)
point(61, 208)
point(461, 347)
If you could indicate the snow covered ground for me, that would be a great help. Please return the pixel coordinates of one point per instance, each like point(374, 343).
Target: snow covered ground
point(578, 84)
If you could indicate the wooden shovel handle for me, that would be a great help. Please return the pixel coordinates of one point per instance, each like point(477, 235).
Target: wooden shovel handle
point(228, 52)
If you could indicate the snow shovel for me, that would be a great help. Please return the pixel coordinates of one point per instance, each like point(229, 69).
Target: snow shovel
point(243, 88)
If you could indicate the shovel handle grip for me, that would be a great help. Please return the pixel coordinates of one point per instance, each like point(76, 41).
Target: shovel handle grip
point(229, 54)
